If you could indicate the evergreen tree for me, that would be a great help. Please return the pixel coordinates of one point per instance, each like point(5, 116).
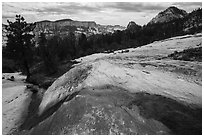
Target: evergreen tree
point(48, 52)
point(82, 44)
point(73, 47)
point(20, 43)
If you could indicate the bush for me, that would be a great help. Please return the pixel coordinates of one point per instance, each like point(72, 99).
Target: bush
point(191, 54)
point(8, 66)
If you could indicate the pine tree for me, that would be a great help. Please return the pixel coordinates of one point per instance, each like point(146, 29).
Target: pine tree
point(48, 52)
point(82, 44)
point(20, 43)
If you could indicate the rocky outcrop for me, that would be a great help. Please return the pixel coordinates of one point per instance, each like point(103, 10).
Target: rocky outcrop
point(132, 26)
point(65, 26)
point(193, 21)
point(57, 25)
point(169, 14)
point(99, 111)
point(136, 92)
point(4, 33)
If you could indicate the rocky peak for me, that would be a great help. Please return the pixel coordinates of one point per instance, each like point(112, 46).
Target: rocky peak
point(130, 24)
point(133, 26)
point(169, 14)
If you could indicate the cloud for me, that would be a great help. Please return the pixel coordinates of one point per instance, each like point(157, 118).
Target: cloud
point(101, 12)
point(76, 8)
point(68, 8)
point(186, 4)
point(7, 16)
point(136, 6)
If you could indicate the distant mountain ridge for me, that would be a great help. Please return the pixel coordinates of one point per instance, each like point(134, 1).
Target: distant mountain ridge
point(189, 22)
point(68, 22)
point(172, 20)
point(65, 26)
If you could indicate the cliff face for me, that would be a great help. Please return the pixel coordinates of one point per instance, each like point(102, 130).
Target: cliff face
point(67, 25)
point(4, 33)
point(62, 23)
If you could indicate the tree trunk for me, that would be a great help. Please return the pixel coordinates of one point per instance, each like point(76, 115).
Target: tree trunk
point(27, 70)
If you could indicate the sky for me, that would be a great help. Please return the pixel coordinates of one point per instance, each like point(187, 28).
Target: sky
point(104, 13)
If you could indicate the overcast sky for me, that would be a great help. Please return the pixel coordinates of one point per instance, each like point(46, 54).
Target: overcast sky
point(111, 13)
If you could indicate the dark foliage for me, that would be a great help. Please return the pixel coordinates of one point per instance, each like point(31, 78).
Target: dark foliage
point(48, 54)
point(192, 54)
point(8, 66)
point(20, 45)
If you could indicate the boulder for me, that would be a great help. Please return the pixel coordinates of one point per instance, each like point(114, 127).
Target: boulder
point(11, 78)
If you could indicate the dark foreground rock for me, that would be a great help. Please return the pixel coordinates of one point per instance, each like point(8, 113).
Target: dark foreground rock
point(112, 110)
point(98, 111)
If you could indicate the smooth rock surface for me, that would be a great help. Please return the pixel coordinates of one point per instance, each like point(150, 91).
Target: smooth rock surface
point(138, 92)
